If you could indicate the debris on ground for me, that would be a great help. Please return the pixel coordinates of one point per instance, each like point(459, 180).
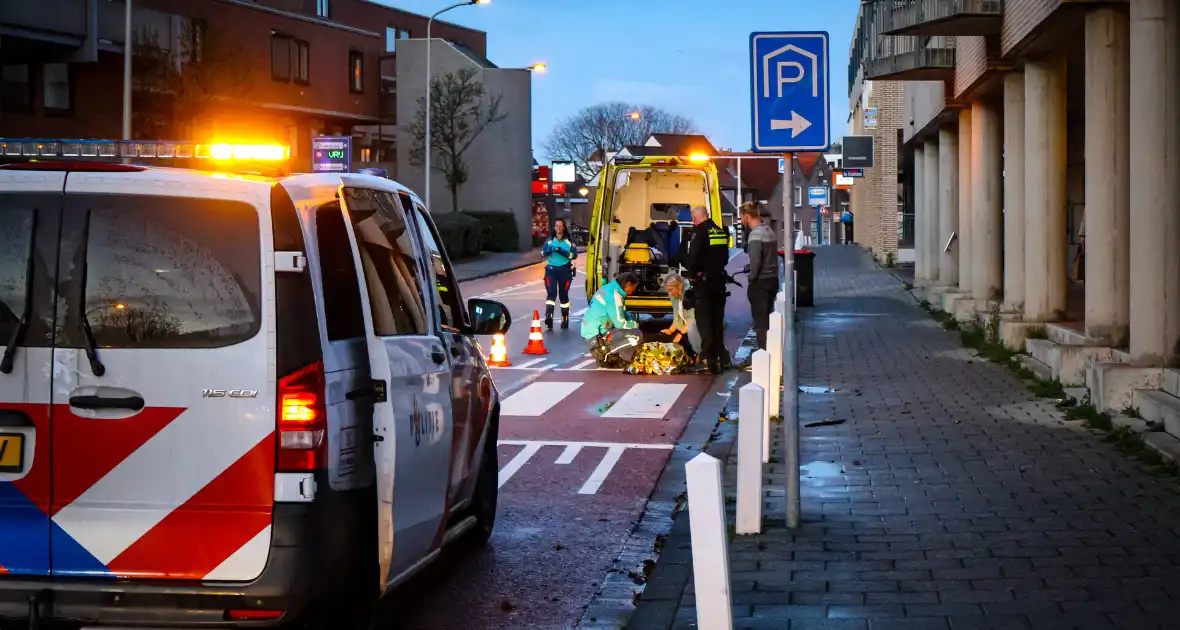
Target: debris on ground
point(824, 423)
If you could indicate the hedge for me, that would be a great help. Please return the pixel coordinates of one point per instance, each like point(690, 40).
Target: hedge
point(498, 229)
point(461, 235)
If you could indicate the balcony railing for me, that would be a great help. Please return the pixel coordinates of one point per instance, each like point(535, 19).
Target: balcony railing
point(912, 58)
point(941, 17)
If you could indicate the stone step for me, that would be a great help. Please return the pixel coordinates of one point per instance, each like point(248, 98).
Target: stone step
point(1171, 382)
point(1067, 362)
point(1042, 350)
point(1040, 369)
point(1158, 406)
point(1163, 443)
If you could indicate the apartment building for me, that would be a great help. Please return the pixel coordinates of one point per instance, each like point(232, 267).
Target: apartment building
point(1045, 150)
point(274, 70)
point(875, 109)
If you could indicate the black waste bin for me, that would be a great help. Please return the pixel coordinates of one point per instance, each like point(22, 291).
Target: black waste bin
point(804, 277)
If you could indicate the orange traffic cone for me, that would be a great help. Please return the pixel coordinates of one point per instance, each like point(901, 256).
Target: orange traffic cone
point(536, 340)
point(499, 352)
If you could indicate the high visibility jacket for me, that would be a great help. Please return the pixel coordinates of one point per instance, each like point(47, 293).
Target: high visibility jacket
point(708, 253)
point(606, 311)
point(559, 253)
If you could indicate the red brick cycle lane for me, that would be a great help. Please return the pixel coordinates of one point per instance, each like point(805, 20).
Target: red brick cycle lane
point(580, 450)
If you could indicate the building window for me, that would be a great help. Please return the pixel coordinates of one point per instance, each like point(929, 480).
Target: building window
point(302, 56)
point(56, 78)
point(289, 59)
point(356, 71)
point(393, 34)
point(280, 57)
point(16, 93)
point(321, 8)
point(798, 196)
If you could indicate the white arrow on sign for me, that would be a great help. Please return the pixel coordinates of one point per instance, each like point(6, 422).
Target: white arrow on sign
point(797, 124)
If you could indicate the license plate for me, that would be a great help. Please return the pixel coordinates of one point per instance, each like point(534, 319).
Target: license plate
point(12, 452)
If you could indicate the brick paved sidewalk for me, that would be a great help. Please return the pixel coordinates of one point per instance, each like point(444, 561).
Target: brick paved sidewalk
point(492, 263)
point(950, 497)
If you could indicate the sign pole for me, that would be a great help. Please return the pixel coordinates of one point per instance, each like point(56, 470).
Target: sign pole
point(790, 113)
point(790, 391)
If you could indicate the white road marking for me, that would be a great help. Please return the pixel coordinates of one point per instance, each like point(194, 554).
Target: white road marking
point(646, 400)
point(583, 364)
point(519, 461)
point(658, 447)
point(567, 456)
point(614, 451)
point(537, 398)
point(528, 364)
point(602, 471)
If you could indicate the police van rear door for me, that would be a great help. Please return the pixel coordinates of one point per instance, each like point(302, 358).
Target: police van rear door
point(164, 378)
point(30, 213)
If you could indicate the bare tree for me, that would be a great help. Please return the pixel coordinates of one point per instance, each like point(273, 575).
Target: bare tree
point(458, 115)
point(587, 136)
point(175, 87)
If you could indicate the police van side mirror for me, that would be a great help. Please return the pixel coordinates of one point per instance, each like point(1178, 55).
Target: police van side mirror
point(488, 317)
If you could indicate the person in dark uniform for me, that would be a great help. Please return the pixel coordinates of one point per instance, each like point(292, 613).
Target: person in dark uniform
point(559, 252)
point(708, 254)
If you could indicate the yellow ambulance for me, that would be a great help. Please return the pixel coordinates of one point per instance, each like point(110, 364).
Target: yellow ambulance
point(642, 220)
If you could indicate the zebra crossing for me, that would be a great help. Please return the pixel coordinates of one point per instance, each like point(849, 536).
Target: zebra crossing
point(637, 400)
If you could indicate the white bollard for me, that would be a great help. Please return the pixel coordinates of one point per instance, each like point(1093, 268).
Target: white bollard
point(751, 414)
point(774, 344)
point(710, 546)
point(760, 369)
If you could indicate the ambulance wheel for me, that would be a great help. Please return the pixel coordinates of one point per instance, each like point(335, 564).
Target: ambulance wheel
point(487, 489)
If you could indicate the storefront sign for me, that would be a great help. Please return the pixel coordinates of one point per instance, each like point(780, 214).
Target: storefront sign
point(331, 154)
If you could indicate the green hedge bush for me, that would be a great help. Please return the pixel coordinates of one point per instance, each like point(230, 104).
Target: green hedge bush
point(498, 229)
point(462, 235)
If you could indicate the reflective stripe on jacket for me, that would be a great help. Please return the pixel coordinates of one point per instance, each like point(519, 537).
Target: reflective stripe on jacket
point(559, 253)
point(606, 311)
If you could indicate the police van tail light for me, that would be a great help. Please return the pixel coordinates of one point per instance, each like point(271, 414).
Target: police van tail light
point(302, 419)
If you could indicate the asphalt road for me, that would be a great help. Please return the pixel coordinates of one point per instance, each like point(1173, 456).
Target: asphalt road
point(580, 451)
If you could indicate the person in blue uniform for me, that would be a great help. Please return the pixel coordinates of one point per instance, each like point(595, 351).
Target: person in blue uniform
point(559, 252)
point(611, 334)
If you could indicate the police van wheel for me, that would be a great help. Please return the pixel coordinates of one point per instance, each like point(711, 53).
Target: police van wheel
point(483, 504)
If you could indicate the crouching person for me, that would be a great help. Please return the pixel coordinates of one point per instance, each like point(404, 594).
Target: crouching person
point(683, 330)
point(613, 337)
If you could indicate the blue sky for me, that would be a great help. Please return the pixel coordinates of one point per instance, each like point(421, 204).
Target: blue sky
point(688, 56)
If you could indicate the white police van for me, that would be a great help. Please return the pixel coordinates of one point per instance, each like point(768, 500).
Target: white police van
point(228, 400)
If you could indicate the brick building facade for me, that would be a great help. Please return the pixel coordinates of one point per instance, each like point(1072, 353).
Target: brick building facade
point(293, 69)
point(875, 198)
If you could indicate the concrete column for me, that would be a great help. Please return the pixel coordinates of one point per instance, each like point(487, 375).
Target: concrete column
point(948, 204)
point(1154, 181)
point(930, 203)
point(963, 241)
point(1108, 175)
point(987, 184)
point(1044, 191)
point(921, 263)
point(1014, 191)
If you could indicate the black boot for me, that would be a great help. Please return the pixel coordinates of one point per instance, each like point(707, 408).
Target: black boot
point(565, 319)
point(549, 317)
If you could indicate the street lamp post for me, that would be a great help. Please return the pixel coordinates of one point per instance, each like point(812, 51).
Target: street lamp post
point(426, 132)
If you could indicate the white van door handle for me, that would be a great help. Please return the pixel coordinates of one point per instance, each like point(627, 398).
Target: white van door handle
point(134, 403)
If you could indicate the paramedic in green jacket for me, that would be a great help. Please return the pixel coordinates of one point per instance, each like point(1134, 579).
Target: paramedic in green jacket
point(559, 252)
point(605, 325)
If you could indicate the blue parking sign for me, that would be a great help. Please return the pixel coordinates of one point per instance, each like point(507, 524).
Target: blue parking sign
point(789, 92)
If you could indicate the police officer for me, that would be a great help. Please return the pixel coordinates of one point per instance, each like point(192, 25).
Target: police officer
point(708, 253)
